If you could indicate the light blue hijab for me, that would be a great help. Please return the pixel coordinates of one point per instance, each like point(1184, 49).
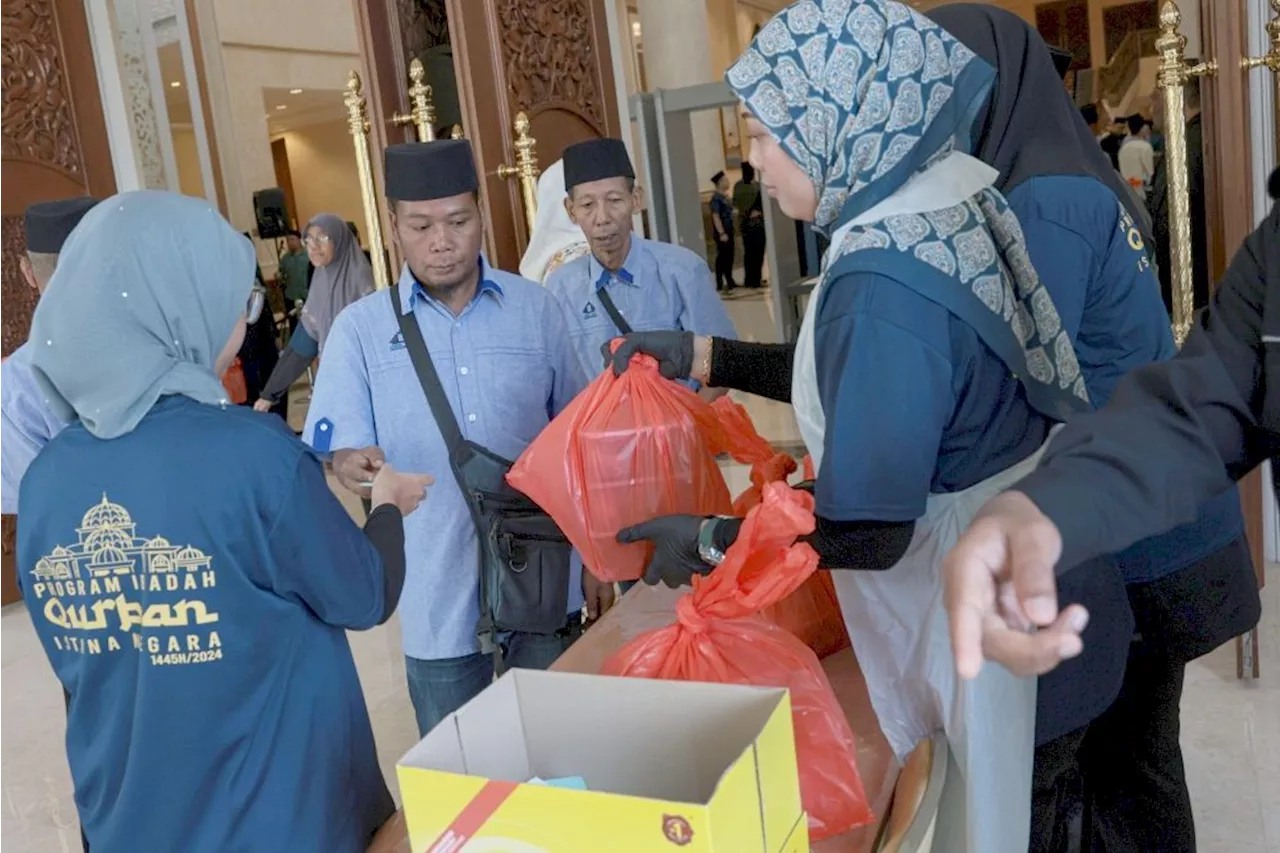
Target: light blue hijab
point(147, 292)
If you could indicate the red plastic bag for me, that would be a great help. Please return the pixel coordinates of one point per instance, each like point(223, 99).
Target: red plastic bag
point(627, 449)
point(748, 447)
point(233, 381)
point(812, 612)
point(717, 638)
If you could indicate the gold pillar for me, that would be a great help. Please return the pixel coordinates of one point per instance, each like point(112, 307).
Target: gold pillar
point(422, 114)
point(456, 132)
point(358, 124)
point(1270, 59)
point(1174, 74)
point(526, 169)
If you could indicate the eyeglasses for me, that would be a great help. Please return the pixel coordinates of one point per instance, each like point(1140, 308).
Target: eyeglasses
point(317, 242)
point(257, 301)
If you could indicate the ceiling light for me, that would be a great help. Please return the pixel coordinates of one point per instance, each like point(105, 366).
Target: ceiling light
point(635, 29)
point(176, 84)
point(295, 91)
point(281, 107)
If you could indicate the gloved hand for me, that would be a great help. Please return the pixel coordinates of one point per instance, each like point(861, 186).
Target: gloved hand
point(673, 351)
point(675, 554)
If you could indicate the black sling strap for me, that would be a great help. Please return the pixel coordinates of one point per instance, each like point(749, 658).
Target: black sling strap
point(430, 381)
point(612, 310)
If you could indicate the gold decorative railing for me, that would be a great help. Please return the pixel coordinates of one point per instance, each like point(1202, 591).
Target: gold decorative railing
point(1174, 74)
point(358, 124)
point(1117, 76)
point(422, 114)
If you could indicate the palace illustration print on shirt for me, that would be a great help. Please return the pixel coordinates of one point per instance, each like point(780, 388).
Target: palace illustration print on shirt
point(90, 592)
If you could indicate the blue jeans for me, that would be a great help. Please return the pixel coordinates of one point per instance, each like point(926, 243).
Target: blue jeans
point(437, 688)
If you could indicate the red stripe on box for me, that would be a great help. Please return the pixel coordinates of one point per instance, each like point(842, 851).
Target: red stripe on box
point(472, 817)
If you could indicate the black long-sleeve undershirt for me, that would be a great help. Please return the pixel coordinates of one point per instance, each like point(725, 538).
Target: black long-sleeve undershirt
point(385, 530)
point(760, 369)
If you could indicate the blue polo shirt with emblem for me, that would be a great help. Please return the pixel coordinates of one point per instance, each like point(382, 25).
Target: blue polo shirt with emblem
point(507, 369)
point(660, 287)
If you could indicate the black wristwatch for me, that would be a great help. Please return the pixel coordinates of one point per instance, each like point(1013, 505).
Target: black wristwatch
point(707, 550)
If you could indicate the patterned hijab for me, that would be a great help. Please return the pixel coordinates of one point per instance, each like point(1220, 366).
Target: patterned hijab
point(867, 95)
point(337, 284)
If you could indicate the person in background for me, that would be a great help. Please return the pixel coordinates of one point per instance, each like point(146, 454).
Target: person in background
point(1137, 159)
point(26, 422)
point(342, 276)
point(1104, 132)
point(921, 381)
point(355, 232)
point(295, 275)
point(215, 573)
point(1159, 203)
point(749, 208)
point(556, 240)
point(501, 347)
point(1091, 254)
point(260, 352)
point(626, 283)
point(722, 230)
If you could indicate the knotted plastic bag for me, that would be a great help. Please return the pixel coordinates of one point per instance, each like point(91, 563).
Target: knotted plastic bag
point(718, 638)
point(628, 449)
point(812, 612)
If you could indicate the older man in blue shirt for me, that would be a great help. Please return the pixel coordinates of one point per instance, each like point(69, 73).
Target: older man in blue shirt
point(26, 423)
point(626, 283)
point(499, 344)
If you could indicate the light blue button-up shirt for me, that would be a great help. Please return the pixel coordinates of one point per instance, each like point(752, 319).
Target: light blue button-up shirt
point(660, 287)
point(507, 369)
point(26, 423)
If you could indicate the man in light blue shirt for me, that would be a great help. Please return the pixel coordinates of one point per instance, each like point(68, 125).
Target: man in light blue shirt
point(26, 423)
point(499, 344)
point(649, 286)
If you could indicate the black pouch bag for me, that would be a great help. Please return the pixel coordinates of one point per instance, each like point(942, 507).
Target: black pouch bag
point(524, 557)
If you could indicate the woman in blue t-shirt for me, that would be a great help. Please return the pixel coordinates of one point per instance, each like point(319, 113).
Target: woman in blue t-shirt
point(931, 366)
point(1193, 588)
point(187, 570)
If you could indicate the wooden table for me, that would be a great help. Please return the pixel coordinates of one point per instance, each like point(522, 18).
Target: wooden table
point(645, 608)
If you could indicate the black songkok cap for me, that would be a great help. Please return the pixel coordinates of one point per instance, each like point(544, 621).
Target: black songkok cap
point(50, 223)
point(1061, 60)
point(422, 171)
point(595, 160)
point(715, 179)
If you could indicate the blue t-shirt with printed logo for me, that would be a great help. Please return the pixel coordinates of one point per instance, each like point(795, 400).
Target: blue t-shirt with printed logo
point(1078, 232)
point(191, 583)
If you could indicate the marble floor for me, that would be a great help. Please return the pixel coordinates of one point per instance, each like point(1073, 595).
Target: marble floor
point(1231, 728)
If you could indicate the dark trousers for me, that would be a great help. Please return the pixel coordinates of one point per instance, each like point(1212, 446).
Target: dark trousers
point(1118, 785)
point(66, 699)
point(724, 264)
point(438, 688)
point(752, 255)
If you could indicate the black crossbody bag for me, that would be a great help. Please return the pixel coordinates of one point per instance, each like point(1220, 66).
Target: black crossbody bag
point(612, 310)
point(524, 557)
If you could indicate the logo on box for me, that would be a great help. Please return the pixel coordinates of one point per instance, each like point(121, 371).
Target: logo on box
point(677, 830)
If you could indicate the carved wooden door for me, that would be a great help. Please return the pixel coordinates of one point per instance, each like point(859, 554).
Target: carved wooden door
point(53, 144)
point(547, 58)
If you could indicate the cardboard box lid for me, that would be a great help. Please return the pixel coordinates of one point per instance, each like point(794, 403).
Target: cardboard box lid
point(665, 740)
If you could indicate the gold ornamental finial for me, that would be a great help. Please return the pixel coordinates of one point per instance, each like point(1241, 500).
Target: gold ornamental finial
point(422, 113)
point(1270, 59)
point(526, 168)
point(456, 132)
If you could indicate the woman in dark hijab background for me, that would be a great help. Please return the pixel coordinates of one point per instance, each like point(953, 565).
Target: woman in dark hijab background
point(1190, 589)
point(259, 354)
point(342, 276)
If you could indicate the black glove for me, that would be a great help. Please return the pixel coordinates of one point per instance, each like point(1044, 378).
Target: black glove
point(675, 554)
point(673, 351)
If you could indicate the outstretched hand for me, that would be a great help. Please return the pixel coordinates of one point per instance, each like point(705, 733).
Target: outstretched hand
point(1001, 592)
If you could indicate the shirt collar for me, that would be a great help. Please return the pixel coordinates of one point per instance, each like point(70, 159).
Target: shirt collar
point(412, 290)
point(625, 274)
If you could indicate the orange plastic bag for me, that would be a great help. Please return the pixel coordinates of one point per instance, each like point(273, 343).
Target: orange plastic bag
point(717, 637)
point(629, 448)
point(233, 381)
point(812, 612)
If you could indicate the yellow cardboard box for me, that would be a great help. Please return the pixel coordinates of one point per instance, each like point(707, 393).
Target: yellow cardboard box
point(671, 767)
